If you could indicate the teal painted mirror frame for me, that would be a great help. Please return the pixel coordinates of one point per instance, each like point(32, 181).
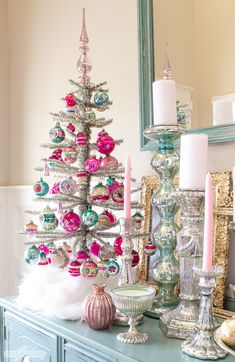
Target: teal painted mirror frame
point(223, 133)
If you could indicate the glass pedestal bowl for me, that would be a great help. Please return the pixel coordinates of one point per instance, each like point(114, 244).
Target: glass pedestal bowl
point(133, 300)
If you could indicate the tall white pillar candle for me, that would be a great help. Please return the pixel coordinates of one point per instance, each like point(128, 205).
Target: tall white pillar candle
point(164, 102)
point(233, 193)
point(193, 161)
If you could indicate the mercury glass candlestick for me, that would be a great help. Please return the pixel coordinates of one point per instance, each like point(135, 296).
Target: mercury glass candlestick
point(133, 300)
point(126, 276)
point(166, 165)
point(181, 321)
point(202, 344)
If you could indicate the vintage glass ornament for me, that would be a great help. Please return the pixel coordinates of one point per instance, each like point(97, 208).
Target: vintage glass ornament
point(31, 227)
point(109, 163)
point(92, 164)
point(138, 219)
point(42, 259)
point(101, 98)
point(111, 184)
point(31, 255)
point(82, 256)
point(99, 193)
point(74, 268)
point(41, 187)
point(118, 194)
point(57, 259)
point(107, 252)
point(70, 221)
point(102, 269)
point(70, 103)
point(70, 127)
point(105, 144)
point(95, 248)
point(57, 153)
point(67, 248)
point(48, 219)
point(89, 269)
point(55, 189)
point(117, 245)
point(112, 267)
point(55, 158)
point(81, 176)
point(57, 134)
point(150, 249)
point(106, 219)
point(69, 155)
point(90, 217)
point(135, 258)
point(99, 310)
point(51, 246)
point(68, 186)
point(65, 256)
point(81, 139)
point(44, 248)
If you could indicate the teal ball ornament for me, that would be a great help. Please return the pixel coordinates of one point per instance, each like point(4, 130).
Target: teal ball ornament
point(90, 217)
point(41, 187)
point(101, 98)
point(31, 255)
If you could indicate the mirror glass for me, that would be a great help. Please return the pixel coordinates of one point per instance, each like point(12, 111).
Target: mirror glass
point(200, 36)
point(201, 47)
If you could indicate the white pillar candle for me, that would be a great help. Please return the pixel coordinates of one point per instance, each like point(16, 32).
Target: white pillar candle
point(233, 193)
point(193, 161)
point(164, 102)
point(222, 111)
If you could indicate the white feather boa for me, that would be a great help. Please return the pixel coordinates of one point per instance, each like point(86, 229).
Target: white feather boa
point(54, 293)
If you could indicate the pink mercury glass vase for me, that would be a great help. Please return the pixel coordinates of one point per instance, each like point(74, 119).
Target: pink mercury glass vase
point(99, 310)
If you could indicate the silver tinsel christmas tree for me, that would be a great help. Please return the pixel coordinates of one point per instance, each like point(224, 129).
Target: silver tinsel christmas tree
point(78, 232)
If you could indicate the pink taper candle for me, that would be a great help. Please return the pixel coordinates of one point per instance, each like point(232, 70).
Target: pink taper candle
point(127, 190)
point(208, 226)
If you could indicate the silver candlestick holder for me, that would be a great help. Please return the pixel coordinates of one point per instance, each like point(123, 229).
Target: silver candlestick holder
point(166, 165)
point(202, 344)
point(126, 276)
point(181, 321)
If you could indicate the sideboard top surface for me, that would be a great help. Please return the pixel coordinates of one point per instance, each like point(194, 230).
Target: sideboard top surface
point(158, 347)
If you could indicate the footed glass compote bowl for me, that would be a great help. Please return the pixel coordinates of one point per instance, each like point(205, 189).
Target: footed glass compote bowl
point(133, 300)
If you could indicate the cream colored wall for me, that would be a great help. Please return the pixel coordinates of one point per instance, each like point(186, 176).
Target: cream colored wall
point(44, 38)
point(44, 44)
point(214, 28)
point(3, 93)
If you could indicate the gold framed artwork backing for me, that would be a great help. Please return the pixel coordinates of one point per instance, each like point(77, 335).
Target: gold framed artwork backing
point(222, 183)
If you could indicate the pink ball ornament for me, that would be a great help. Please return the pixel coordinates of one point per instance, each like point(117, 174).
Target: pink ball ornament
point(111, 184)
point(95, 248)
point(117, 245)
point(44, 248)
point(70, 102)
point(55, 189)
point(69, 155)
point(74, 268)
point(135, 258)
point(106, 219)
point(109, 163)
point(81, 139)
point(89, 269)
point(100, 193)
point(57, 153)
point(105, 143)
point(70, 221)
point(82, 256)
point(92, 164)
point(71, 128)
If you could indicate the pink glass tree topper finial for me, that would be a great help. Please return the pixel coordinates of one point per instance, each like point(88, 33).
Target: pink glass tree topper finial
point(167, 71)
point(84, 65)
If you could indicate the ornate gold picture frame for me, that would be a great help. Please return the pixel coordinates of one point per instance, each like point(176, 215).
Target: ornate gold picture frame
point(222, 183)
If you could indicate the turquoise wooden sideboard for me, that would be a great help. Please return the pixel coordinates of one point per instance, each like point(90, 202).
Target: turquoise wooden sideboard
point(27, 337)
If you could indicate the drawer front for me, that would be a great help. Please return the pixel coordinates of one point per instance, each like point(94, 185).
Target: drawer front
point(82, 353)
point(25, 343)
